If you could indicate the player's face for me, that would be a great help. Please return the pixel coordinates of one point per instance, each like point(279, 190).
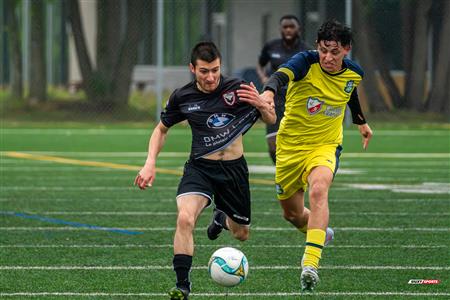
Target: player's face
point(206, 74)
point(289, 29)
point(331, 55)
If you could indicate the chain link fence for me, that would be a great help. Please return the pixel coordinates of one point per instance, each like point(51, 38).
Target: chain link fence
point(89, 59)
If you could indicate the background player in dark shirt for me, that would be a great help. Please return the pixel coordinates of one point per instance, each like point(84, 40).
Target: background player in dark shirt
point(219, 111)
point(275, 53)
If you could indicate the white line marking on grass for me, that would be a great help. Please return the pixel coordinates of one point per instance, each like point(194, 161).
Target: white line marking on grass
point(225, 295)
point(276, 229)
point(267, 267)
point(265, 213)
point(255, 199)
point(224, 245)
point(80, 188)
point(422, 188)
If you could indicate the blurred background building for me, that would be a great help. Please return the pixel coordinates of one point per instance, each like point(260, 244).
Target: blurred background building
point(110, 48)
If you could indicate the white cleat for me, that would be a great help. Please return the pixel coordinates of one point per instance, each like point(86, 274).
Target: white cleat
point(329, 237)
point(309, 279)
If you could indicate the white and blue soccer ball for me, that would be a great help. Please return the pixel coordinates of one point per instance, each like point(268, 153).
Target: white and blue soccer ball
point(228, 266)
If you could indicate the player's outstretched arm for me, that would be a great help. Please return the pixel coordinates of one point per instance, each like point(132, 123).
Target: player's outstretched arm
point(366, 134)
point(147, 174)
point(248, 93)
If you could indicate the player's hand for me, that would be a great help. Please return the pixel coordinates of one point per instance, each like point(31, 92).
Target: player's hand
point(248, 93)
point(268, 97)
point(366, 134)
point(145, 178)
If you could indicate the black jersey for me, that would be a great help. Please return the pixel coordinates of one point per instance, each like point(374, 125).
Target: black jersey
point(216, 118)
point(276, 53)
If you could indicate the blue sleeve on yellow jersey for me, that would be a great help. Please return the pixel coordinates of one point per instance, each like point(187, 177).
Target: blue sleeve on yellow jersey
point(350, 64)
point(300, 63)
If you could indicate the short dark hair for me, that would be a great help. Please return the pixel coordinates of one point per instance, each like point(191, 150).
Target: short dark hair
point(333, 30)
point(206, 51)
point(289, 17)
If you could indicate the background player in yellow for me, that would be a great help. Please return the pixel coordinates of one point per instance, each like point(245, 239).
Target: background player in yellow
point(320, 85)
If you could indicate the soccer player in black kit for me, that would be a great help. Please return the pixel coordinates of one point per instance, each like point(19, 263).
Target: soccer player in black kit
point(219, 111)
point(275, 53)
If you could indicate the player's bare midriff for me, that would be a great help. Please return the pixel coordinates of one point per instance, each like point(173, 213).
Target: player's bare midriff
point(234, 151)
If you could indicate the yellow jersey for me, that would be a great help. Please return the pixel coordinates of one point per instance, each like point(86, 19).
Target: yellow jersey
point(315, 101)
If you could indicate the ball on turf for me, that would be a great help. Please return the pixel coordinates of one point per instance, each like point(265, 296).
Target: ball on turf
point(228, 266)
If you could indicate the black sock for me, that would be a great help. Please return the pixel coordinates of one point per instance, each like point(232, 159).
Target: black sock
point(182, 266)
point(221, 218)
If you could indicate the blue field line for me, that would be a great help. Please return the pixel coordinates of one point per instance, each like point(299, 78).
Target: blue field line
point(69, 223)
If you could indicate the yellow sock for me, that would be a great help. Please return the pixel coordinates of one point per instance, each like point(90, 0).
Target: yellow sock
point(304, 228)
point(315, 239)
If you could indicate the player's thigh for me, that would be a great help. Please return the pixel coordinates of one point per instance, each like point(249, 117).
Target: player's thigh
point(288, 175)
point(191, 205)
point(320, 175)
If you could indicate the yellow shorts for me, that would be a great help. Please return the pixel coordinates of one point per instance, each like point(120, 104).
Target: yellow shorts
point(293, 167)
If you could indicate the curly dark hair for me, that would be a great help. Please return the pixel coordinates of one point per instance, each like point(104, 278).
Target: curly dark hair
point(333, 30)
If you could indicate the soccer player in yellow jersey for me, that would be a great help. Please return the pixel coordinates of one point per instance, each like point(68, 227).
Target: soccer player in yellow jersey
point(320, 85)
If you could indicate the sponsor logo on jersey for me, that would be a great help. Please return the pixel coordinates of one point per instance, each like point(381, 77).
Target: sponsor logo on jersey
point(349, 86)
point(229, 98)
point(217, 139)
point(193, 107)
point(332, 111)
point(219, 120)
point(314, 105)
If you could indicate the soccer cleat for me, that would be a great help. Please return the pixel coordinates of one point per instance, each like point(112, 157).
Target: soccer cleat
point(177, 293)
point(215, 228)
point(309, 279)
point(329, 237)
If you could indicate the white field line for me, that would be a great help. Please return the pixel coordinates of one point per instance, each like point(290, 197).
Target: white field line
point(265, 229)
point(255, 199)
point(247, 154)
point(406, 188)
point(176, 131)
point(224, 295)
point(267, 267)
point(125, 246)
point(266, 213)
point(81, 188)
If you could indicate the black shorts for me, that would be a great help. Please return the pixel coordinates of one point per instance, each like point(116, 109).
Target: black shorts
point(280, 100)
point(224, 182)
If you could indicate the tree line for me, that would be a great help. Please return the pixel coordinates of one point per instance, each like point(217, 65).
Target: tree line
point(424, 29)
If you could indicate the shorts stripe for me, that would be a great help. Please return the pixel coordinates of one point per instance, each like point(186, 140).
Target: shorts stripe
point(195, 193)
point(338, 155)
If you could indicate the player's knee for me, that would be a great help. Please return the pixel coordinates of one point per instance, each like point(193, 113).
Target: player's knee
point(294, 217)
point(318, 191)
point(185, 220)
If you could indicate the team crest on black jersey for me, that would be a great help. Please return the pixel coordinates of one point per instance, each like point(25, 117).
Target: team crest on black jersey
point(229, 98)
point(349, 86)
point(314, 105)
point(219, 120)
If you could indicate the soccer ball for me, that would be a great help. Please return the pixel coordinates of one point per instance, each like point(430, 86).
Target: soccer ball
point(228, 266)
